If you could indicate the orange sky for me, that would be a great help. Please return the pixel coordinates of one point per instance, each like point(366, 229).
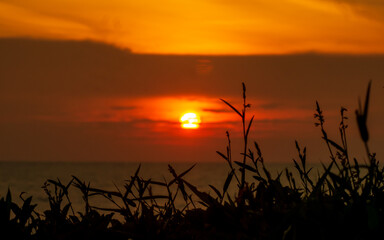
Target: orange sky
point(204, 27)
point(109, 80)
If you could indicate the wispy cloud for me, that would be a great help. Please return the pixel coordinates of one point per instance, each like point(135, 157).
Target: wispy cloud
point(122, 108)
point(370, 9)
point(216, 110)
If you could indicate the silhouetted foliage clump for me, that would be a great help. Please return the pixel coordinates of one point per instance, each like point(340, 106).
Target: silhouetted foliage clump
point(344, 201)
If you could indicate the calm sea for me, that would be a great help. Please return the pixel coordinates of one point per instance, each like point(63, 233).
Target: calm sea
point(29, 177)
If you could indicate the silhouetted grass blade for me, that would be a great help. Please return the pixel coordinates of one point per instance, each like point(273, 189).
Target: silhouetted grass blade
point(233, 108)
point(337, 146)
point(205, 197)
point(178, 177)
point(246, 166)
point(228, 181)
point(249, 126)
point(216, 191)
point(222, 155)
point(362, 114)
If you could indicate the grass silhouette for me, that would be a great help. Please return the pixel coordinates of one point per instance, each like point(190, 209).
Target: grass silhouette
point(345, 201)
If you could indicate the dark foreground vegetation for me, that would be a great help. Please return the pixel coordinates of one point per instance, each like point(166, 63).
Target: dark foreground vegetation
point(344, 201)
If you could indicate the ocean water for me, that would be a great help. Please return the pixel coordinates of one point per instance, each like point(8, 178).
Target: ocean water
point(29, 177)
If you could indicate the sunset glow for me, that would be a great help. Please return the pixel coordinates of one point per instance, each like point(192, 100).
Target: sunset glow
point(190, 121)
point(203, 27)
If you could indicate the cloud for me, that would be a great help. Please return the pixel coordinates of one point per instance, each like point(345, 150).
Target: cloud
point(282, 121)
point(216, 110)
point(198, 27)
point(371, 9)
point(122, 108)
point(39, 19)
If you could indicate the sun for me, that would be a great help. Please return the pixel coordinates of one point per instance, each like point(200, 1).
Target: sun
point(190, 121)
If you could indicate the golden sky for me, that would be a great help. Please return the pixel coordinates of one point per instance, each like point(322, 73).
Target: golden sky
point(204, 26)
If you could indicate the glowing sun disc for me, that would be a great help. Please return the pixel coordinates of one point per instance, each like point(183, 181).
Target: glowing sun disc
point(190, 121)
